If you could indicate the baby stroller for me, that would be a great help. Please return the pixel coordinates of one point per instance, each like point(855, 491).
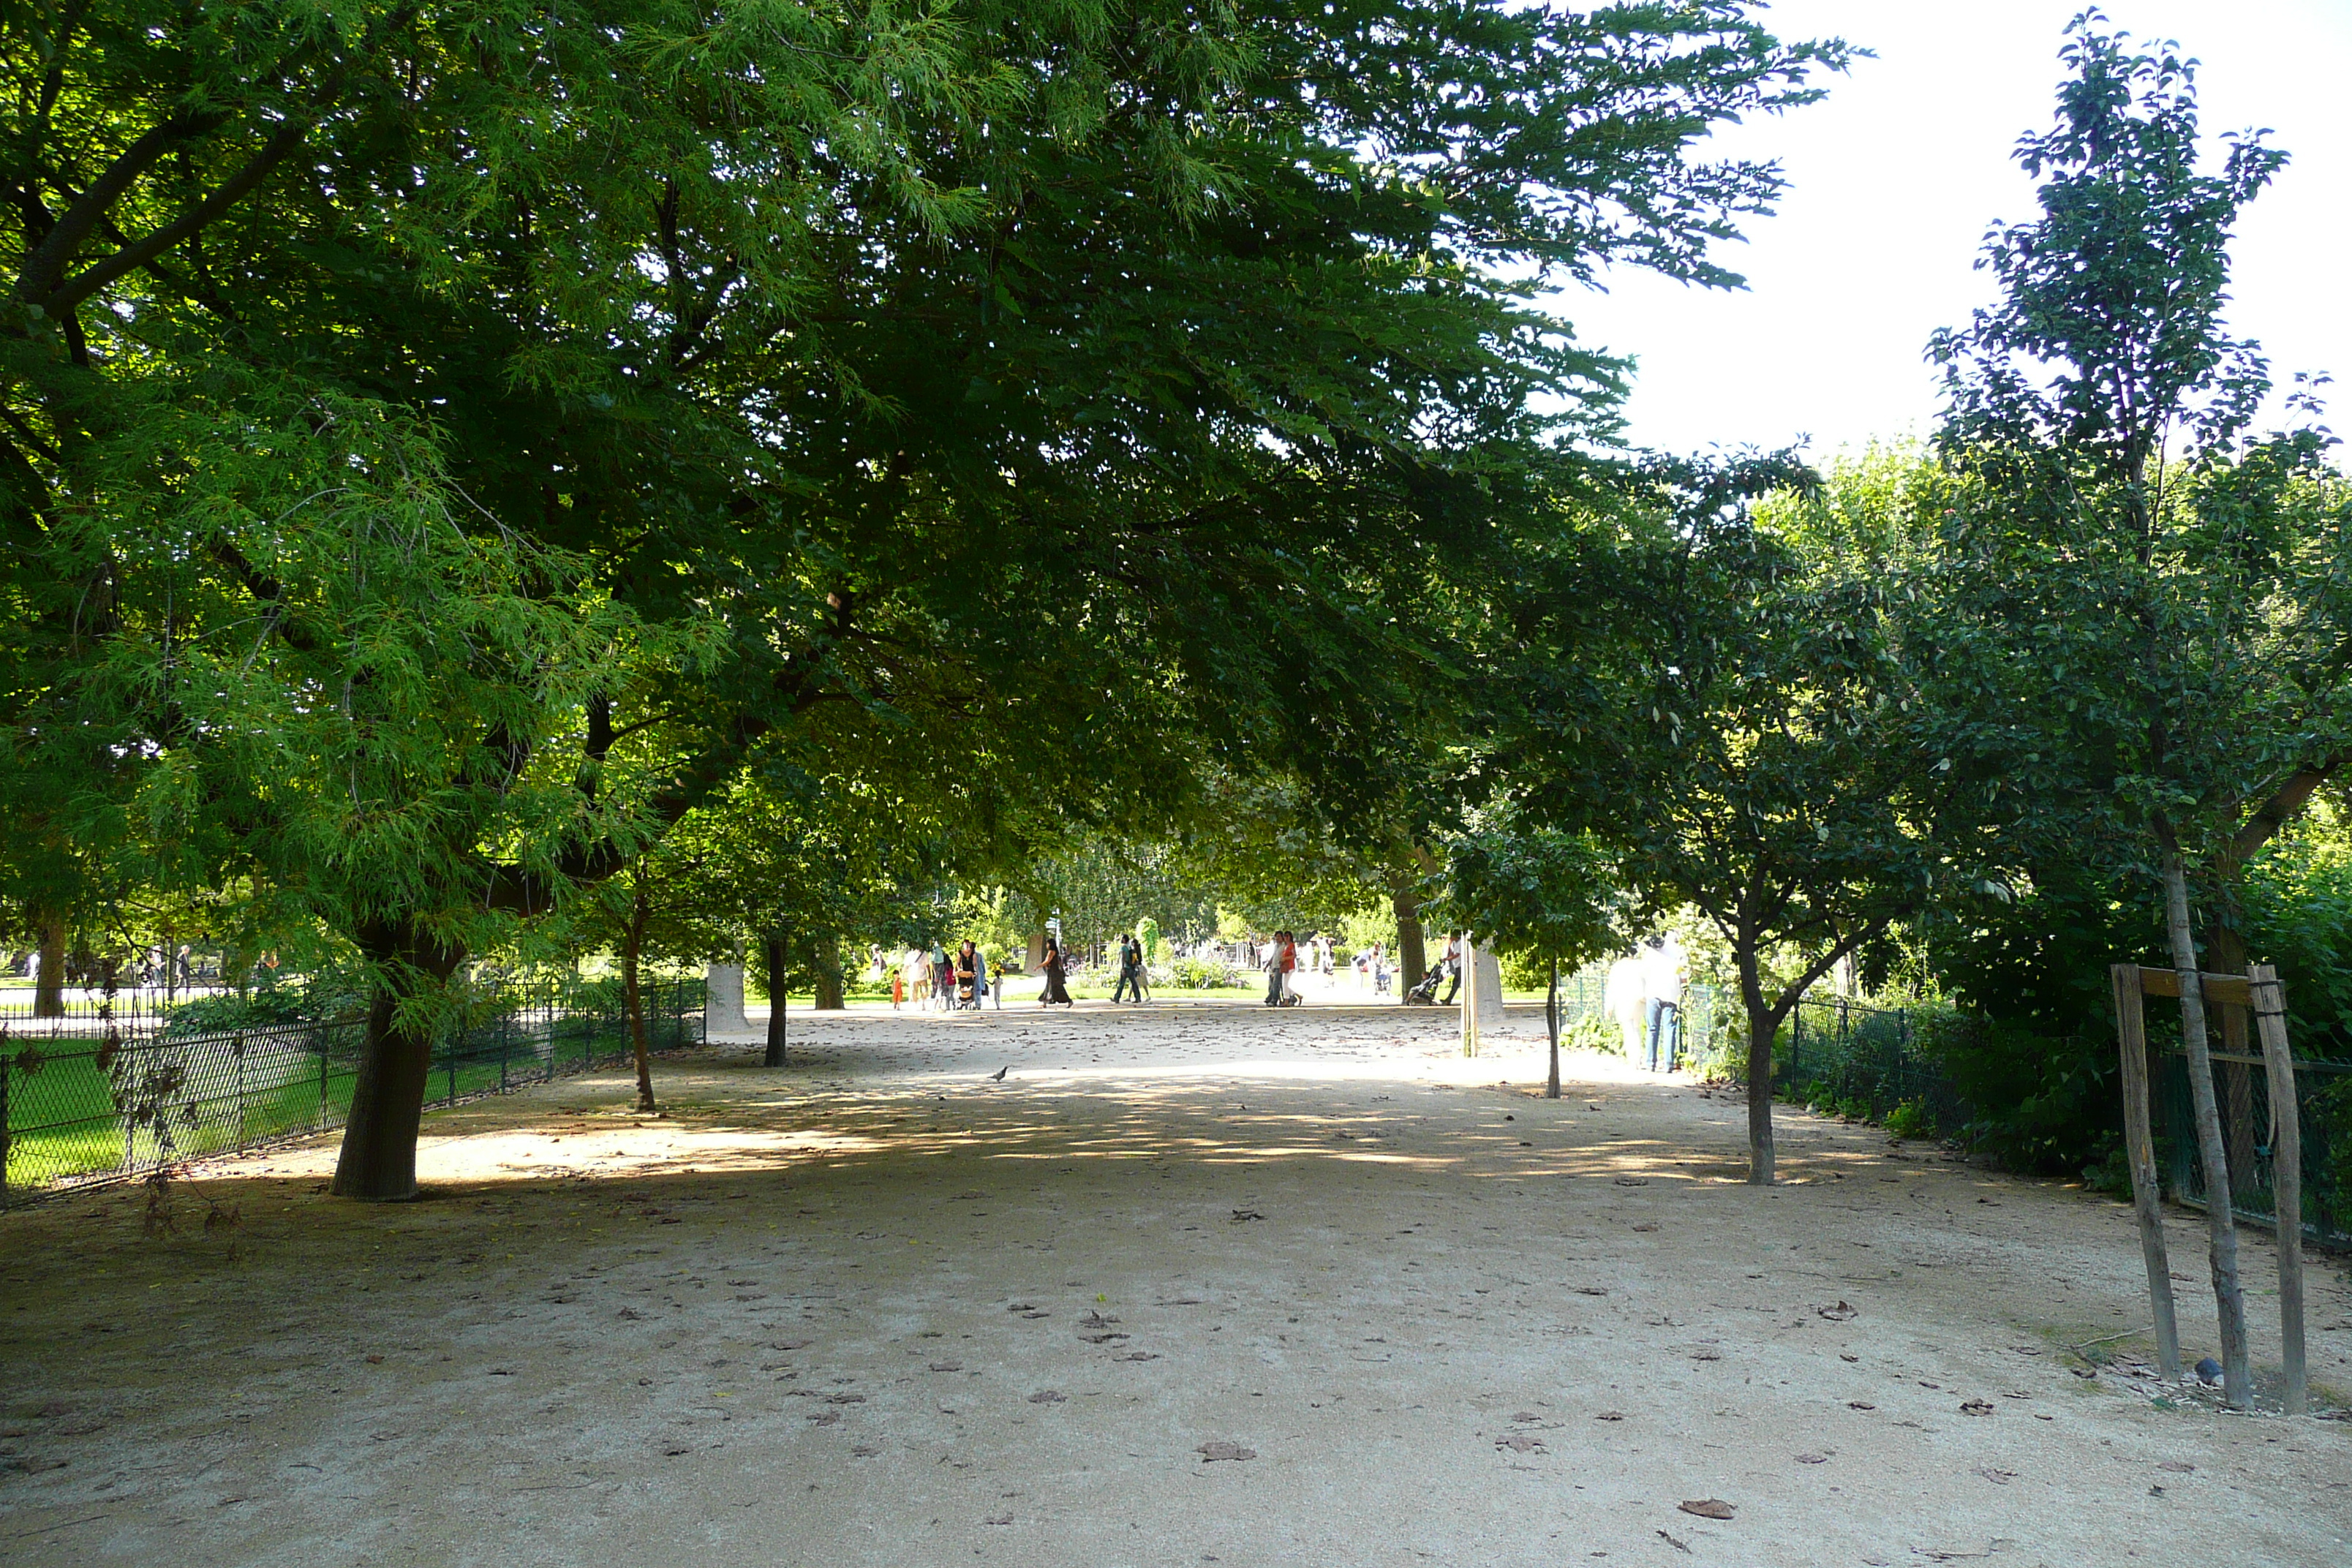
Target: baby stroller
point(1424, 994)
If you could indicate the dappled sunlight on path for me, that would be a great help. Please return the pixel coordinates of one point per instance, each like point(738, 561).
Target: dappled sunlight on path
point(883, 1307)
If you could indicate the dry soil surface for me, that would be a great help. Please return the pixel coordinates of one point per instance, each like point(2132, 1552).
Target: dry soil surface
point(1186, 1285)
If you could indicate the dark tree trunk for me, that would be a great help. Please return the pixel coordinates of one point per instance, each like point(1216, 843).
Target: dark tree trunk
point(378, 1160)
point(1763, 1023)
point(1551, 1026)
point(633, 946)
point(1412, 954)
point(49, 986)
point(779, 972)
point(829, 998)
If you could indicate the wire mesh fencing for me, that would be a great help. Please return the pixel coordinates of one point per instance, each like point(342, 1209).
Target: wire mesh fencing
point(2242, 1092)
point(1848, 1056)
point(76, 1109)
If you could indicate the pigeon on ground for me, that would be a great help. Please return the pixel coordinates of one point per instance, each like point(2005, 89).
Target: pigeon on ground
point(2209, 1371)
point(998, 1076)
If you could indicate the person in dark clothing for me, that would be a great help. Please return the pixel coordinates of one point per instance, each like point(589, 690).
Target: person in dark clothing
point(1054, 990)
point(1131, 969)
point(1452, 965)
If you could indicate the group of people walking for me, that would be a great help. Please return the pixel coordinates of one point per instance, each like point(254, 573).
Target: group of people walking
point(935, 978)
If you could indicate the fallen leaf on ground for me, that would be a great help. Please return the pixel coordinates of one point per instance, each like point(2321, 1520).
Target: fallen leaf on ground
point(1049, 1396)
point(1218, 1449)
point(1812, 1458)
point(1646, 1224)
point(1519, 1443)
point(1524, 1416)
point(1859, 1405)
point(1838, 1313)
point(1611, 1415)
point(1632, 1181)
point(1670, 1540)
point(1242, 1216)
point(1998, 1478)
point(947, 1367)
point(1976, 1407)
point(2177, 1467)
point(1591, 1291)
point(1708, 1508)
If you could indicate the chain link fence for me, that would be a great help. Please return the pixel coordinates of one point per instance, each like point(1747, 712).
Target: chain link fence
point(75, 1110)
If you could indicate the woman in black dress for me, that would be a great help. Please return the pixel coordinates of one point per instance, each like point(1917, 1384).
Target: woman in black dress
point(1055, 991)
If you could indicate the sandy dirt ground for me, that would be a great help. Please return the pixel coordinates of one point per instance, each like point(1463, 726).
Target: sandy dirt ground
point(1186, 1286)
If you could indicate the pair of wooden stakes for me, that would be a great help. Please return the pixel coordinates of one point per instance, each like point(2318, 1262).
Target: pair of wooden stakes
point(2260, 992)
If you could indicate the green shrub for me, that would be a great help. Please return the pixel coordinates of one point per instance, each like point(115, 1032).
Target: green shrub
point(1912, 1119)
point(1593, 1031)
point(2036, 1104)
point(1203, 973)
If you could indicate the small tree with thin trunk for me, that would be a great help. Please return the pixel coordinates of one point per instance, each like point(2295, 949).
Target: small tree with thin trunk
point(1530, 890)
point(2168, 602)
point(1732, 706)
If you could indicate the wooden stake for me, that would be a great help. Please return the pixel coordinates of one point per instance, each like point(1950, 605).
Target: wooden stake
point(2139, 1148)
point(2286, 1176)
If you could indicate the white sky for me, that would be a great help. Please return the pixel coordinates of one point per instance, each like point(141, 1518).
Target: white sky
point(1893, 178)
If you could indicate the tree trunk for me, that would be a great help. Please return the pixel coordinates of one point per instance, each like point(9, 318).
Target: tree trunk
point(2221, 1231)
point(773, 949)
point(829, 998)
point(1763, 1022)
point(49, 986)
point(1412, 954)
point(633, 946)
point(1551, 1026)
point(378, 1159)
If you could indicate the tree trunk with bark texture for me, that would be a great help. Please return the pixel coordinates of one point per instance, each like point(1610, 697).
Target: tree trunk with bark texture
point(1412, 952)
point(829, 997)
point(2221, 1231)
point(378, 1160)
point(633, 946)
point(49, 986)
point(1551, 1027)
point(1763, 1023)
point(773, 950)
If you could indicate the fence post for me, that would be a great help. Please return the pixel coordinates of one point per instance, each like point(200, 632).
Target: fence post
point(2139, 1146)
point(322, 1080)
point(238, 1047)
point(2286, 1178)
point(449, 1068)
point(505, 1044)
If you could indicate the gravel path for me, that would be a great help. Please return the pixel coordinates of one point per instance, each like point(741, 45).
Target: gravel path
point(1190, 1285)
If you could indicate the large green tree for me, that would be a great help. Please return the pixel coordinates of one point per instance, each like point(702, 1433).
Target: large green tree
point(833, 362)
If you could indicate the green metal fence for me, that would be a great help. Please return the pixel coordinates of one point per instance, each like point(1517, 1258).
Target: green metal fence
point(2242, 1090)
point(74, 1111)
point(1847, 1056)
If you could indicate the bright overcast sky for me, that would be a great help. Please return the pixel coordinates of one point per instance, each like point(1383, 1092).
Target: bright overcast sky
point(1893, 178)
